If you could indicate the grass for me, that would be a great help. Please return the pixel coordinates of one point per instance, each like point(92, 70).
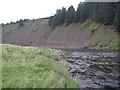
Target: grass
point(91, 25)
point(30, 67)
point(41, 21)
point(10, 27)
point(94, 26)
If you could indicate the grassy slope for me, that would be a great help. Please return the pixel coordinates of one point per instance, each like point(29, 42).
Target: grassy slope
point(101, 36)
point(10, 27)
point(30, 67)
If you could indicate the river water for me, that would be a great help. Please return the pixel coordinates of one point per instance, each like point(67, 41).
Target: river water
point(94, 69)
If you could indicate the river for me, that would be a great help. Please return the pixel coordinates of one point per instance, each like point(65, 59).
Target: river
point(94, 69)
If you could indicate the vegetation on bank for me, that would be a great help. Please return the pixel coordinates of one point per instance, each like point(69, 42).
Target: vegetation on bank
point(107, 13)
point(30, 67)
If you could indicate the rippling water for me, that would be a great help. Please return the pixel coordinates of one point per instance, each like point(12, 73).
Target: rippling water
point(94, 69)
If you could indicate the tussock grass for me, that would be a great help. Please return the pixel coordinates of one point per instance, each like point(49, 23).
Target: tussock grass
point(30, 67)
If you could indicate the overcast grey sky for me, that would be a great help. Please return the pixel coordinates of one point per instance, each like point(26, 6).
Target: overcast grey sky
point(13, 10)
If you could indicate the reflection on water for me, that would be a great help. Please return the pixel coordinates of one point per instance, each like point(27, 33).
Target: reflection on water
point(94, 69)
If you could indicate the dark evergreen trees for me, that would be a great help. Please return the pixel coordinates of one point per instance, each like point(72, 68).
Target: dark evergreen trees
point(117, 19)
point(70, 15)
point(76, 17)
point(21, 22)
point(83, 9)
point(2, 24)
point(107, 13)
point(50, 20)
point(58, 18)
point(62, 16)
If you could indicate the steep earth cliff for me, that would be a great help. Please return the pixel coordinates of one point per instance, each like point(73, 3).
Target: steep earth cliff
point(87, 35)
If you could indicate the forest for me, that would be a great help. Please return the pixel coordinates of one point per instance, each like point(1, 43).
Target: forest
point(107, 13)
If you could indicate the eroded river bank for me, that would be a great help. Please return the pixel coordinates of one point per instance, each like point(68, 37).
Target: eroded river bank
point(94, 69)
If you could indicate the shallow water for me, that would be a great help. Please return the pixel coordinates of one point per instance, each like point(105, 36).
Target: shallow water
point(94, 69)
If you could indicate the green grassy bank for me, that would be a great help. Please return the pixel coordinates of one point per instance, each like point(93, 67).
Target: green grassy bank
point(30, 67)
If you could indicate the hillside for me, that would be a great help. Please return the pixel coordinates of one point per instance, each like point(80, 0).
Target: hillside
point(89, 35)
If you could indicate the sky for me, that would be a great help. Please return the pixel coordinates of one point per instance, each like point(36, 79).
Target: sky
point(13, 10)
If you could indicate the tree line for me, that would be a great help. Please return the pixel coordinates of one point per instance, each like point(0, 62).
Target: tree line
point(107, 13)
point(20, 22)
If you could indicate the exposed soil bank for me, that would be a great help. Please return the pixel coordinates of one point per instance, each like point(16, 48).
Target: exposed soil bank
point(87, 35)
